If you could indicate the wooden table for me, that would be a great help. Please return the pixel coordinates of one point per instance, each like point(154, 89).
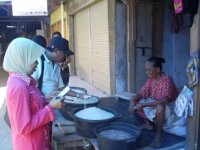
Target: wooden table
point(64, 134)
point(67, 136)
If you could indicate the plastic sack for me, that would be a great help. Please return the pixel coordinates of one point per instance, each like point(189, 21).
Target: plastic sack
point(184, 103)
point(177, 128)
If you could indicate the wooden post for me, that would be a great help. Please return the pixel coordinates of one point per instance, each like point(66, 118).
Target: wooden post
point(62, 18)
point(131, 50)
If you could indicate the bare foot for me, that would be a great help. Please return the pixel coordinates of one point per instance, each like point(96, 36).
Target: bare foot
point(156, 143)
point(146, 127)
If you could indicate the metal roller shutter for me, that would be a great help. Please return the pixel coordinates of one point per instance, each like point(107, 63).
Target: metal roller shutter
point(82, 45)
point(92, 45)
point(100, 46)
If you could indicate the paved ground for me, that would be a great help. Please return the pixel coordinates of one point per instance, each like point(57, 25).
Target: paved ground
point(5, 133)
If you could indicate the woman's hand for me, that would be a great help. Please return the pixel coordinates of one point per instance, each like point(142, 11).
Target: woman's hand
point(133, 103)
point(56, 103)
point(48, 98)
point(131, 107)
point(139, 107)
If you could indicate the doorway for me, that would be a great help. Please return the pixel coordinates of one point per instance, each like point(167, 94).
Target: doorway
point(148, 42)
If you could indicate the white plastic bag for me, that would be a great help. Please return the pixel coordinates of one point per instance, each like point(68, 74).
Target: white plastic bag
point(184, 103)
point(177, 128)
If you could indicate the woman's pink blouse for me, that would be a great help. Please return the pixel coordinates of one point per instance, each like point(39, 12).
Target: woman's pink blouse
point(165, 87)
point(29, 117)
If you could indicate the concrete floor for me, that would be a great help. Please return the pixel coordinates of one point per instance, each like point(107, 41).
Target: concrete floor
point(5, 132)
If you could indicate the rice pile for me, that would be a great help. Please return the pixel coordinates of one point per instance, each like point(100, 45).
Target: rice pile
point(94, 113)
point(115, 134)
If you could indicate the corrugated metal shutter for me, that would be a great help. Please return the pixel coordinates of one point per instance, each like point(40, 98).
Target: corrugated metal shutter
point(92, 45)
point(83, 46)
point(100, 46)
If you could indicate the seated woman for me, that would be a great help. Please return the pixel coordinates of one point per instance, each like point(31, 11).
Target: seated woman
point(153, 101)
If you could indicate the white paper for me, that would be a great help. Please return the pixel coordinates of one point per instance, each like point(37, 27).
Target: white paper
point(64, 91)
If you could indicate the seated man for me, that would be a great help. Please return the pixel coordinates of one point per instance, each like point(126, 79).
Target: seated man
point(153, 100)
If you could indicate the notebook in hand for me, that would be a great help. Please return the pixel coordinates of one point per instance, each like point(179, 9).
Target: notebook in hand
point(63, 92)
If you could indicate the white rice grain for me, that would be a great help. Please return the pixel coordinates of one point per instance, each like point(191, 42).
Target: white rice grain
point(94, 113)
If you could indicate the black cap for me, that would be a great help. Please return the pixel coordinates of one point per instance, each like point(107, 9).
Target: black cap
point(61, 44)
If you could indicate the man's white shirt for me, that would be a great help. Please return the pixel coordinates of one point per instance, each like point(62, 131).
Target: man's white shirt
point(52, 79)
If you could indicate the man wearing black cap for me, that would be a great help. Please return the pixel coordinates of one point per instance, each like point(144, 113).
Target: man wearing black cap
point(56, 53)
point(65, 73)
point(59, 43)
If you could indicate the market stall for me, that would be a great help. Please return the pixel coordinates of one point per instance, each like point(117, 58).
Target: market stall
point(69, 135)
